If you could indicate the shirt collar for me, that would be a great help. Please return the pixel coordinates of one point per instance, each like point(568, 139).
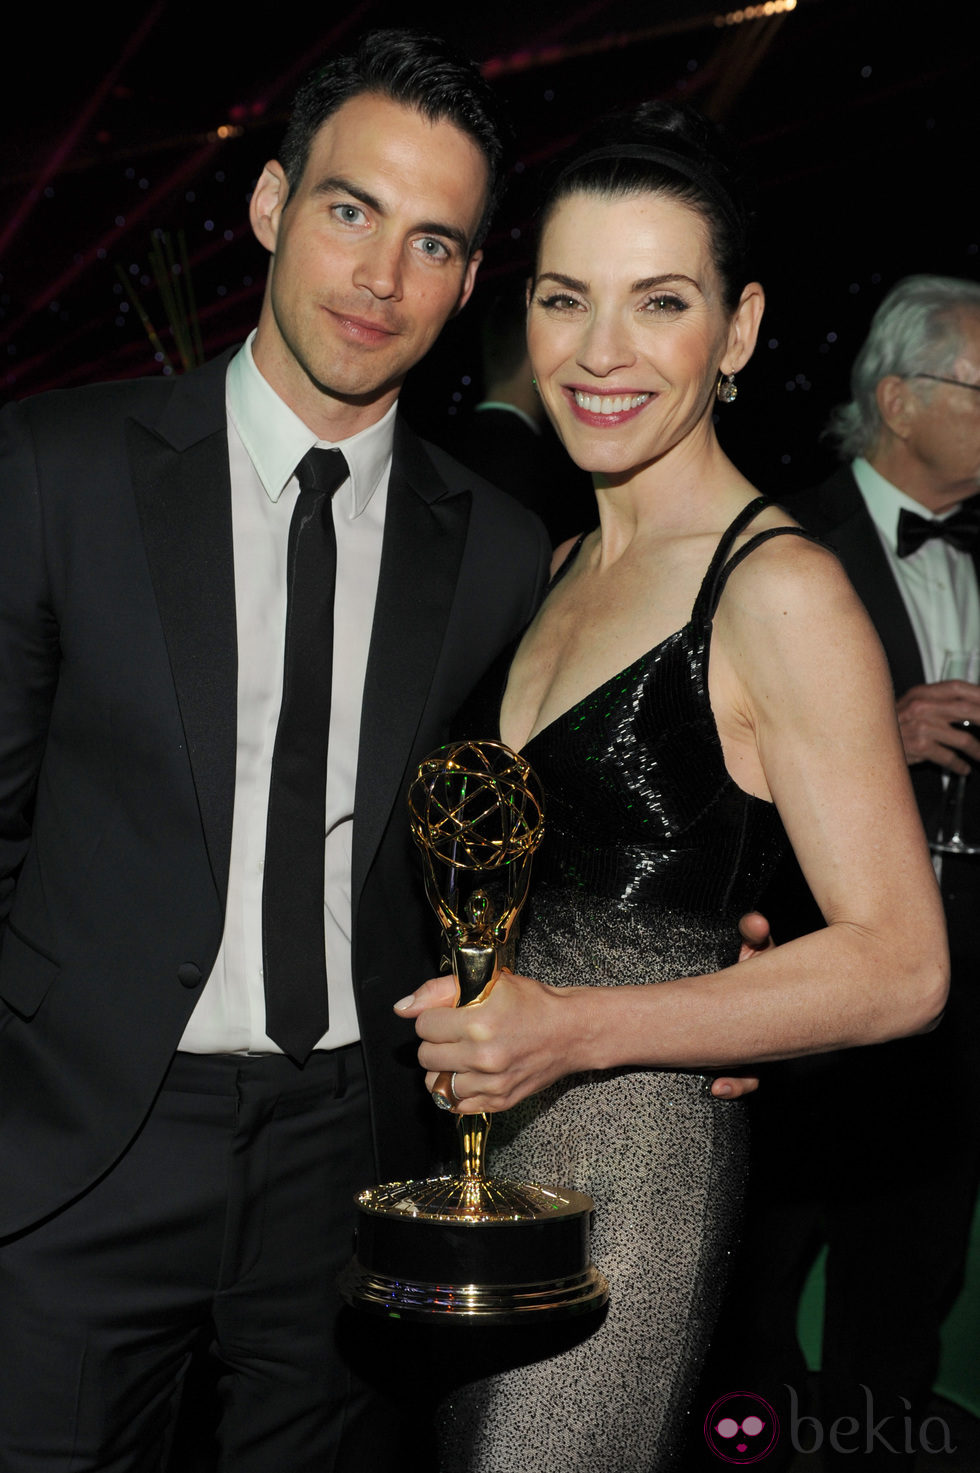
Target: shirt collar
point(885, 502)
point(276, 439)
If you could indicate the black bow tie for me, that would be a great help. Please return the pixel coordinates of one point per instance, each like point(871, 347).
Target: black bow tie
point(961, 530)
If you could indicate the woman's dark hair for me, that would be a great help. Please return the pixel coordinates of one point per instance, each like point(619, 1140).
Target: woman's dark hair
point(422, 72)
point(668, 150)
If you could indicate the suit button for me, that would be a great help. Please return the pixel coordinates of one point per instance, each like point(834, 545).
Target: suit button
point(188, 975)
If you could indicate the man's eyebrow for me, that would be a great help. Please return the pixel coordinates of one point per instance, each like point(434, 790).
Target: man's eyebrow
point(449, 232)
point(337, 185)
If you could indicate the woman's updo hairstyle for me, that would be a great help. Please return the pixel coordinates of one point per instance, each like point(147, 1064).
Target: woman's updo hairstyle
point(665, 149)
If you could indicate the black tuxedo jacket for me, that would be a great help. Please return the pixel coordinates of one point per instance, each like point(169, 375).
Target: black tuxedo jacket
point(837, 513)
point(118, 685)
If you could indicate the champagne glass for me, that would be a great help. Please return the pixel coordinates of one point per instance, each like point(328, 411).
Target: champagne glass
point(955, 831)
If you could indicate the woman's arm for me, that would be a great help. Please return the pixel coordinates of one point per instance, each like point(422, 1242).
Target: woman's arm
point(806, 714)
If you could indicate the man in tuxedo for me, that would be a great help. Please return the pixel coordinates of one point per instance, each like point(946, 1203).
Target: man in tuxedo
point(878, 1150)
point(208, 903)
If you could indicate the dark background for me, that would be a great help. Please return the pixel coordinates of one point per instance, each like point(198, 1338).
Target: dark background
point(857, 117)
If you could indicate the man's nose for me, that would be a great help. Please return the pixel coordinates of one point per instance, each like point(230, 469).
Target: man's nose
point(379, 269)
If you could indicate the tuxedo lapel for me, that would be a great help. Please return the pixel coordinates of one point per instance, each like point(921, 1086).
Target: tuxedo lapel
point(183, 492)
point(841, 518)
point(425, 534)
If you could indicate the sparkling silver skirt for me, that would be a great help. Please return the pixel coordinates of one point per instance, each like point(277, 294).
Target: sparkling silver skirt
point(665, 1164)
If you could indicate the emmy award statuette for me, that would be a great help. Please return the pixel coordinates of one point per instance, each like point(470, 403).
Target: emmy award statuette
point(473, 1248)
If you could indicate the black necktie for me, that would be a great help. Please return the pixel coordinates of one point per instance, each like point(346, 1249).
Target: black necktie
point(292, 892)
point(961, 530)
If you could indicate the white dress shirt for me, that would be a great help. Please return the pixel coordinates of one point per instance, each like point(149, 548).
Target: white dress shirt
point(938, 583)
point(266, 441)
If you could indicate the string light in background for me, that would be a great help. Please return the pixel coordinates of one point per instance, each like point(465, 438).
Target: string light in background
point(755, 12)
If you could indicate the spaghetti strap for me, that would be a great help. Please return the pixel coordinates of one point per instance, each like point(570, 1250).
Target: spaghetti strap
point(563, 568)
point(705, 598)
point(743, 552)
point(722, 566)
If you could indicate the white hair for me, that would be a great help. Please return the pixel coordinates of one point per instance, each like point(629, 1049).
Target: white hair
point(916, 329)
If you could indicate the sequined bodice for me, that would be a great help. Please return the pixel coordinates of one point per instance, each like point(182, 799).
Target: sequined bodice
point(639, 805)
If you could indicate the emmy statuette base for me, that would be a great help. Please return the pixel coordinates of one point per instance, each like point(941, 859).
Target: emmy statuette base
point(511, 1250)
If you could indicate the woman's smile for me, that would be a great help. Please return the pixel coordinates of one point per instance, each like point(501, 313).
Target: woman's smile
point(603, 408)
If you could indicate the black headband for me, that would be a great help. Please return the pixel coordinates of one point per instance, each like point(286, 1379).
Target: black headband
point(648, 153)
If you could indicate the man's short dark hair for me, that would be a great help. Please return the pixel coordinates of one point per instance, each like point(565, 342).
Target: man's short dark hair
point(418, 71)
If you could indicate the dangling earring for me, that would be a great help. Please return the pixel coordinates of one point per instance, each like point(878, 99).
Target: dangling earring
point(534, 386)
point(726, 389)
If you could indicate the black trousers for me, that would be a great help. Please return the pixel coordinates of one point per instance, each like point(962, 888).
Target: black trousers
point(231, 1211)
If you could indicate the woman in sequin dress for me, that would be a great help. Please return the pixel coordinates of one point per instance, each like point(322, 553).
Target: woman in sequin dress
point(668, 780)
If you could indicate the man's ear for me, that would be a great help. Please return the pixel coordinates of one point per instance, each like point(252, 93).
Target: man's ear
point(469, 281)
point(266, 204)
point(895, 404)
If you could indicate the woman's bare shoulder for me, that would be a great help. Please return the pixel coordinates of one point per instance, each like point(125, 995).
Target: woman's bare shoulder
point(789, 623)
point(788, 571)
